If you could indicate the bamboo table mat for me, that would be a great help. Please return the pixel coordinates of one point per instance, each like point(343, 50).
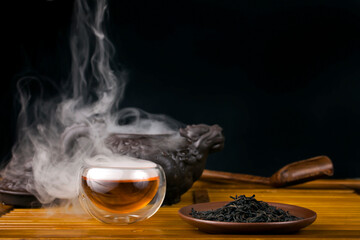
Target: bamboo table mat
point(335, 201)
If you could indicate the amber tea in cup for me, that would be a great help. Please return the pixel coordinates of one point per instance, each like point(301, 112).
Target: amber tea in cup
point(120, 196)
point(122, 192)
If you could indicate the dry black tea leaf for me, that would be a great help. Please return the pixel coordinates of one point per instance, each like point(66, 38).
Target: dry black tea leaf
point(246, 210)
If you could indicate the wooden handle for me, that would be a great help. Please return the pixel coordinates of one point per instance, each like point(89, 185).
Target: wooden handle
point(293, 173)
point(218, 176)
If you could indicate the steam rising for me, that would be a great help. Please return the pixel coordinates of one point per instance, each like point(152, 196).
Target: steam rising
point(90, 101)
point(144, 169)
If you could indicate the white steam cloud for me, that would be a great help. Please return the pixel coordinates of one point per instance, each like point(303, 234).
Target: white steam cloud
point(90, 101)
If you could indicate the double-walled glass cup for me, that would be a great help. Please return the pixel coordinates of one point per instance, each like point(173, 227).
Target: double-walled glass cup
point(122, 192)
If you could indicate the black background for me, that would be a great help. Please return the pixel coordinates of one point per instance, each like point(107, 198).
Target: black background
point(280, 77)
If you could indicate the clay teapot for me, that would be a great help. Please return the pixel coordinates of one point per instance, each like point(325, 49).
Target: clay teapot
point(183, 162)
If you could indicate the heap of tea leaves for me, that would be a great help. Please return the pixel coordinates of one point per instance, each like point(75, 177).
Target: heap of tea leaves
point(246, 210)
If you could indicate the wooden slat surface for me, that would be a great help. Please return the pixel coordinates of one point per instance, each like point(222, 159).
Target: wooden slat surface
point(335, 201)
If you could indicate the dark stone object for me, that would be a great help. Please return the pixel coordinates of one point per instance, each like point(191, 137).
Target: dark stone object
point(183, 162)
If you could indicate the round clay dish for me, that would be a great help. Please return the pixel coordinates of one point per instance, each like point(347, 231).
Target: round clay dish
point(308, 216)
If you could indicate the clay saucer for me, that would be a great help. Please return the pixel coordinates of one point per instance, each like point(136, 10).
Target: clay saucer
point(18, 199)
point(308, 217)
point(13, 192)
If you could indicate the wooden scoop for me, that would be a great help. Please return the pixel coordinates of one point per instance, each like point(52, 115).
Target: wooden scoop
point(291, 174)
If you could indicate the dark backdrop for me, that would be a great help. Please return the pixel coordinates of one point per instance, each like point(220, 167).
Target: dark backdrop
point(280, 77)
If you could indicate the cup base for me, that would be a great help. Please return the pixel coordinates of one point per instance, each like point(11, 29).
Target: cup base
point(113, 219)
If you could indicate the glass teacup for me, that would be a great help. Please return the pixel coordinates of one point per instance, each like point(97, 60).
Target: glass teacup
point(123, 191)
